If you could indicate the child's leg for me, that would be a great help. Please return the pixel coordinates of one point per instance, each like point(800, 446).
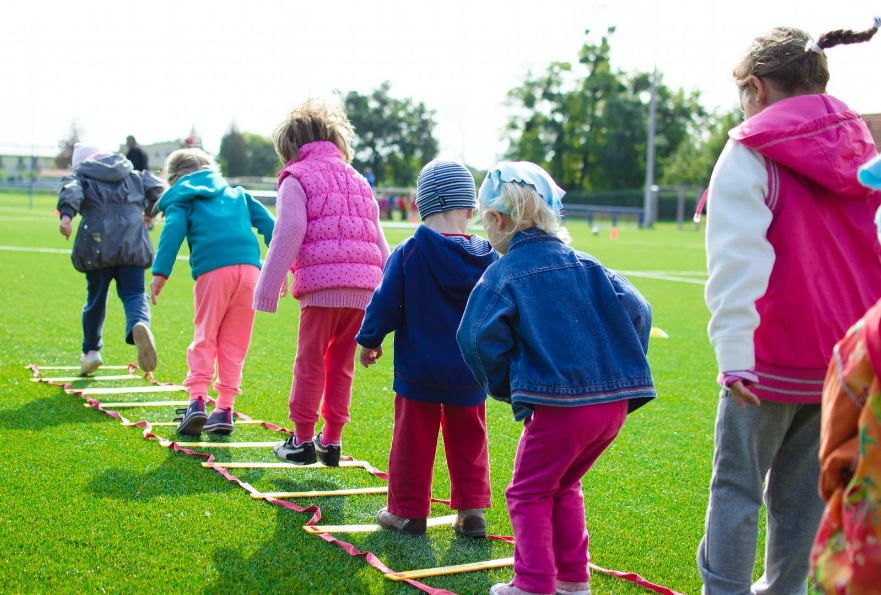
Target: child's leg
point(317, 325)
point(339, 366)
point(234, 335)
point(465, 444)
point(747, 441)
point(794, 508)
point(97, 284)
point(212, 292)
point(131, 291)
point(558, 444)
point(411, 460)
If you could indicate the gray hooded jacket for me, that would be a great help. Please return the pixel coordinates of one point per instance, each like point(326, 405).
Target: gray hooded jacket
point(111, 199)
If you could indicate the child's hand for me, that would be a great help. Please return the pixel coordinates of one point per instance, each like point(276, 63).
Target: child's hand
point(156, 286)
point(284, 287)
point(148, 220)
point(368, 357)
point(64, 227)
point(742, 395)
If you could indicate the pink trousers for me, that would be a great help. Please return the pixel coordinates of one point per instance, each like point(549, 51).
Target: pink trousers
point(558, 446)
point(324, 366)
point(224, 320)
point(414, 444)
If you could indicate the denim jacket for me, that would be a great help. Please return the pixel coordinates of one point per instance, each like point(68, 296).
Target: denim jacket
point(547, 325)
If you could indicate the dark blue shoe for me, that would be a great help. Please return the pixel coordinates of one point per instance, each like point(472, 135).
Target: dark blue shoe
point(219, 422)
point(193, 420)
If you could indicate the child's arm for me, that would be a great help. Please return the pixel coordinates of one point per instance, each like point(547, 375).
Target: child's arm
point(381, 241)
point(69, 200)
point(261, 218)
point(636, 306)
point(153, 189)
point(485, 339)
point(385, 312)
point(288, 234)
point(177, 224)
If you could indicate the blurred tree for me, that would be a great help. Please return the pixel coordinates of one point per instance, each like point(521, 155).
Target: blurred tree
point(694, 158)
point(233, 153)
point(65, 157)
point(394, 137)
point(262, 159)
point(587, 123)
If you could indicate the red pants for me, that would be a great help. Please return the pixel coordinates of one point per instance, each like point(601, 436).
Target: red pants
point(414, 444)
point(325, 365)
point(545, 501)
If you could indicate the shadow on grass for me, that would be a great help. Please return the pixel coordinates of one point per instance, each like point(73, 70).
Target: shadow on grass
point(48, 412)
point(176, 476)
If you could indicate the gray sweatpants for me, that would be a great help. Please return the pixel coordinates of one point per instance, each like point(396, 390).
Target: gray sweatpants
point(780, 440)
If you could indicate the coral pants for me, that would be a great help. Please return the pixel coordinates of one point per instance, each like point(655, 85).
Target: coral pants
point(325, 365)
point(414, 444)
point(558, 446)
point(224, 320)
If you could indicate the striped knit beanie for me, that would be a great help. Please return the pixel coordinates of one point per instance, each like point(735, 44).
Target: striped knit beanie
point(444, 185)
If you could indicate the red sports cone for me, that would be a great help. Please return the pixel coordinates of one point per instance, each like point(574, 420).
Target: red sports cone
point(614, 234)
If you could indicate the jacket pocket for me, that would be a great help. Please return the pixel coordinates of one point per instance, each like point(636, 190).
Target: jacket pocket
point(88, 247)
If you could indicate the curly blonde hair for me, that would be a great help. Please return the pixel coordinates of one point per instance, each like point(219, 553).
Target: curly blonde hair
point(526, 206)
point(313, 120)
point(187, 161)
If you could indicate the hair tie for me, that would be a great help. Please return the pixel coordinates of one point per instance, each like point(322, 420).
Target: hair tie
point(811, 46)
point(876, 24)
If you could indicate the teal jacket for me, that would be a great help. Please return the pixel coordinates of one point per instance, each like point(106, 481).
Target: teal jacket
point(216, 221)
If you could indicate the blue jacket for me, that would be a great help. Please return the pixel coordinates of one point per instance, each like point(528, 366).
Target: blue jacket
point(424, 289)
point(216, 221)
point(547, 325)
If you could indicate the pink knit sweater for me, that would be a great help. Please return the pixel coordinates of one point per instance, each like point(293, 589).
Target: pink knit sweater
point(287, 238)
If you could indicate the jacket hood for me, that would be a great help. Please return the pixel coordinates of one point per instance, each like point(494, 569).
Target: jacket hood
point(111, 168)
point(200, 184)
point(816, 136)
point(456, 262)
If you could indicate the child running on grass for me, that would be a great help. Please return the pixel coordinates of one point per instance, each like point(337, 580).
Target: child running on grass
point(216, 221)
point(793, 263)
point(563, 340)
point(112, 244)
point(846, 557)
point(328, 234)
point(423, 293)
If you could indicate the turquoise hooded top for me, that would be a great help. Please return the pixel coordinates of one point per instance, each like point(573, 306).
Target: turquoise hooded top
point(216, 221)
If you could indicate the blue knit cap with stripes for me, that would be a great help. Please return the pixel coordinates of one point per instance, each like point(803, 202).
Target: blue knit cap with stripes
point(444, 185)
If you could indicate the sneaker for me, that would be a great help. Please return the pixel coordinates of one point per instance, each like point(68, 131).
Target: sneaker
point(289, 452)
point(193, 420)
point(470, 523)
point(391, 522)
point(328, 455)
point(219, 422)
point(508, 589)
point(570, 588)
point(90, 362)
point(143, 339)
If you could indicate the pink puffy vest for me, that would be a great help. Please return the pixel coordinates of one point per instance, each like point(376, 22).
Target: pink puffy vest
point(340, 249)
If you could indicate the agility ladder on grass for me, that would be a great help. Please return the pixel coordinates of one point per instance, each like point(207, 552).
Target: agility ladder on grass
point(325, 532)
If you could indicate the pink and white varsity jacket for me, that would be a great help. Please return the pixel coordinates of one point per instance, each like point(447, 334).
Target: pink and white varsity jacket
point(792, 250)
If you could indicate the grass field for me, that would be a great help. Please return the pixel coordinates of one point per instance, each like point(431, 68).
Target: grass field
point(90, 506)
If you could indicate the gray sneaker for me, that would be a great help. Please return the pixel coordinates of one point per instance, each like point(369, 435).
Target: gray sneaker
point(90, 362)
point(289, 452)
point(391, 522)
point(470, 523)
point(143, 339)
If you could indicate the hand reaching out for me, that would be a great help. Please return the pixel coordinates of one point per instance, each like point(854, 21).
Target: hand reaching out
point(368, 357)
point(64, 227)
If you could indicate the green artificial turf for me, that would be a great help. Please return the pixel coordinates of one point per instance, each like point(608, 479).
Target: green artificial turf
point(90, 506)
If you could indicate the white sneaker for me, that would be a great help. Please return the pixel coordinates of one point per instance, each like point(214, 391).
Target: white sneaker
point(143, 339)
point(90, 362)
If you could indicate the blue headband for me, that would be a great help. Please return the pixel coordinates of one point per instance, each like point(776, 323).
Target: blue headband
point(870, 174)
point(520, 171)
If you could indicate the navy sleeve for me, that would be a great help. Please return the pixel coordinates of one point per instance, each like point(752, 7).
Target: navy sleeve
point(485, 339)
point(636, 306)
point(385, 312)
point(71, 196)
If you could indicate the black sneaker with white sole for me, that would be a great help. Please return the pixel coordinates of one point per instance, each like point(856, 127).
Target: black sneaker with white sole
point(219, 422)
point(193, 420)
point(328, 455)
point(289, 452)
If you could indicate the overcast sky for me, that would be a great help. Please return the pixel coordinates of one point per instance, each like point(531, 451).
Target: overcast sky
point(155, 68)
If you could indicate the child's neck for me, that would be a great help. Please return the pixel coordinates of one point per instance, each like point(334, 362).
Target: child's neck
point(448, 222)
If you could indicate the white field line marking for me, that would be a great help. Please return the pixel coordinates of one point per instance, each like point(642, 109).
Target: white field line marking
point(46, 214)
point(56, 251)
point(26, 219)
point(662, 277)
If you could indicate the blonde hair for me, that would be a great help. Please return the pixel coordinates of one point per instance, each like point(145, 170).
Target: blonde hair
point(187, 161)
point(313, 120)
point(526, 206)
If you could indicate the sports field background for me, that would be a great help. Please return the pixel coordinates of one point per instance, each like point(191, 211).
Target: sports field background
point(87, 505)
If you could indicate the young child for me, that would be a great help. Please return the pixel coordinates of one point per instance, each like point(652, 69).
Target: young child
point(328, 234)
point(421, 299)
point(112, 244)
point(216, 221)
point(563, 340)
point(793, 263)
point(846, 557)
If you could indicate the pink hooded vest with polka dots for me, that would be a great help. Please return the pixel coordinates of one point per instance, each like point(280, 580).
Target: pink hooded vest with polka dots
point(340, 249)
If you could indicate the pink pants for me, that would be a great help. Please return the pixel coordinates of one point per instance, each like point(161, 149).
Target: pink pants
point(325, 365)
point(545, 501)
point(224, 320)
point(414, 444)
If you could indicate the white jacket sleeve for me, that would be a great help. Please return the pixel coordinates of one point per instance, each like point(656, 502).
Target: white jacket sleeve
point(739, 256)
